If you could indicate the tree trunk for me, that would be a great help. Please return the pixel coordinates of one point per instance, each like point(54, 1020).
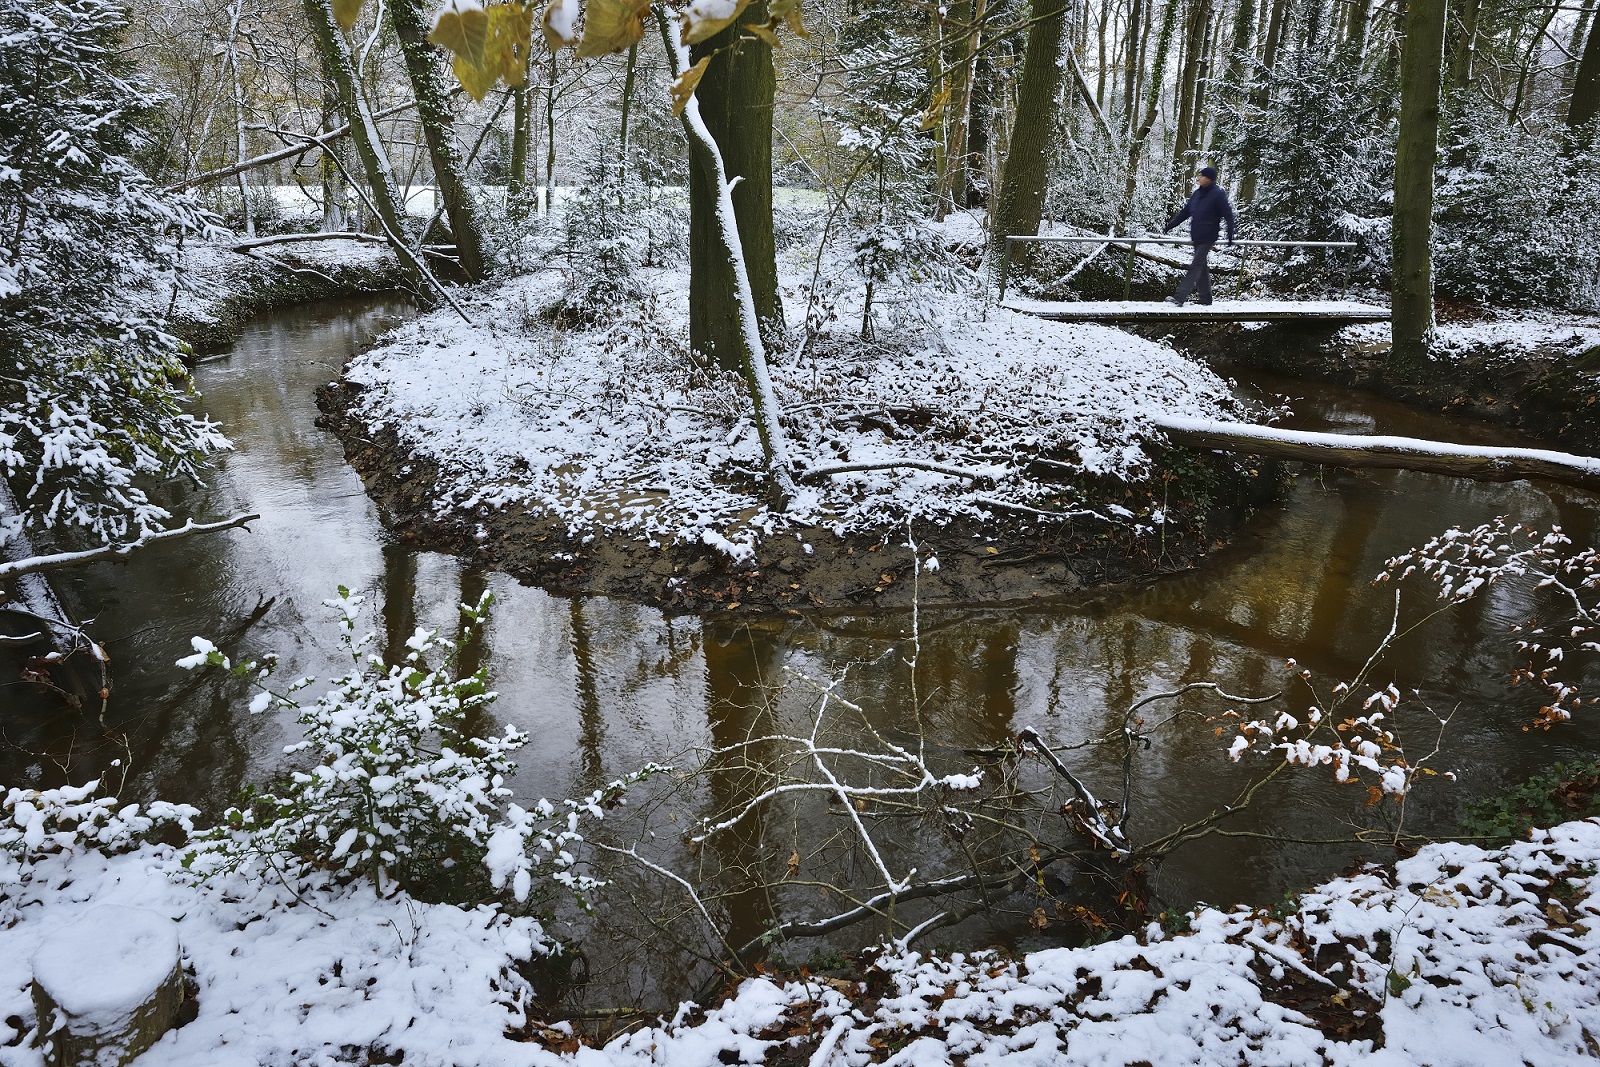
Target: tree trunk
point(1261, 92)
point(517, 175)
point(953, 187)
point(1130, 76)
point(1421, 64)
point(1022, 185)
point(1356, 28)
point(411, 26)
point(333, 191)
point(1244, 25)
point(742, 336)
point(340, 72)
point(1188, 91)
point(1465, 46)
point(736, 95)
point(1384, 453)
point(979, 117)
point(550, 139)
point(1158, 73)
point(1585, 102)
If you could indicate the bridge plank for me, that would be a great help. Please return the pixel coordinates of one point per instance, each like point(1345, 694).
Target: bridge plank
point(1222, 311)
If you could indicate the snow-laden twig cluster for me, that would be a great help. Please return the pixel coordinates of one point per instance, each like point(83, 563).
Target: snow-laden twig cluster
point(403, 786)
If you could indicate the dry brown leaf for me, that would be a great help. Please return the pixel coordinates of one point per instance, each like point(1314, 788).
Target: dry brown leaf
point(611, 26)
point(704, 19)
point(683, 85)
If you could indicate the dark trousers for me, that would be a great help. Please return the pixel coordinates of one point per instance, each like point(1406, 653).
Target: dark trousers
point(1198, 280)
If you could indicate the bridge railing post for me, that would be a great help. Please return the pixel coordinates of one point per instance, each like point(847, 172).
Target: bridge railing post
point(1005, 268)
point(1127, 272)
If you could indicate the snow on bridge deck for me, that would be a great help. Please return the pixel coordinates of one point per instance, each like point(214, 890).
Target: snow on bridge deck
point(1340, 311)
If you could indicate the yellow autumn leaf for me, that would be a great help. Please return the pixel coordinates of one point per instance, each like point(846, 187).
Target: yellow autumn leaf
point(611, 26)
point(786, 12)
point(763, 30)
point(476, 78)
point(936, 106)
point(345, 12)
point(706, 18)
point(683, 85)
point(464, 33)
point(510, 38)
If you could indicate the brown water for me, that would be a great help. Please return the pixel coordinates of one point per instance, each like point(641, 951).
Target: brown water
point(603, 685)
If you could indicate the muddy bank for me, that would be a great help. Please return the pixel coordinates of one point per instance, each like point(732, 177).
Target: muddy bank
point(1549, 391)
point(1010, 561)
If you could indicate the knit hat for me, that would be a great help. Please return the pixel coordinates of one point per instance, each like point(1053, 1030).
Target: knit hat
point(1209, 172)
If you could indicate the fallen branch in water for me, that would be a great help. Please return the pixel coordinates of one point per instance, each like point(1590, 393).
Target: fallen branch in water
point(55, 561)
point(1396, 453)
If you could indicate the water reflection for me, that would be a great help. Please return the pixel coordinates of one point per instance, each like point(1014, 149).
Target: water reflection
point(603, 686)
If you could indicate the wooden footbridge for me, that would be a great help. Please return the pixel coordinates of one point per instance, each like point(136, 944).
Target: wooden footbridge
point(1128, 310)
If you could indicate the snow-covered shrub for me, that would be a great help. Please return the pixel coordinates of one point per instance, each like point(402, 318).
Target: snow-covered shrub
point(605, 244)
point(95, 394)
point(402, 787)
point(38, 822)
point(1517, 218)
point(1326, 165)
point(1352, 727)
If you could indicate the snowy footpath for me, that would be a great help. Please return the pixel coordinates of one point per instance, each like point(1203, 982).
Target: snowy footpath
point(1456, 956)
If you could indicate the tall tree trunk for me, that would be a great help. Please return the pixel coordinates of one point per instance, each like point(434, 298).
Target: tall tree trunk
point(736, 95)
point(340, 72)
point(741, 340)
point(980, 116)
point(1022, 185)
point(1355, 36)
point(968, 18)
point(550, 139)
point(1244, 25)
point(1416, 152)
point(1130, 76)
point(333, 192)
point(1585, 102)
point(517, 174)
point(1158, 73)
point(1465, 46)
point(1261, 92)
point(422, 59)
point(241, 143)
point(1189, 89)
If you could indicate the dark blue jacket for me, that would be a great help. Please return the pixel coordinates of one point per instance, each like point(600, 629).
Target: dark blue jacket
point(1208, 206)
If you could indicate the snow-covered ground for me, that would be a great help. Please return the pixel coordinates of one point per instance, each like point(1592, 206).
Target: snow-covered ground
point(1465, 956)
point(1510, 335)
point(614, 429)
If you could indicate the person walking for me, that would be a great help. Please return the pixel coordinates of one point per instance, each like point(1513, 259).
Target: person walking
point(1207, 209)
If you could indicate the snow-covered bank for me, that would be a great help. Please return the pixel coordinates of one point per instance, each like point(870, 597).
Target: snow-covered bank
point(1537, 372)
point(1456, 956)
point(223, 289)
point(614, 432)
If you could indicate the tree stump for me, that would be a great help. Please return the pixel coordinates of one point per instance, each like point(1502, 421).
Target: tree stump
point(107, 987)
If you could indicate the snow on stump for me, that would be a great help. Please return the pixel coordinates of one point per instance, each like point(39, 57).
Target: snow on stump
point(107, 987)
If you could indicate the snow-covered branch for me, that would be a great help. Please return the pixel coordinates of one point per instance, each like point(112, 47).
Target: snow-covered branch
point(55, 561)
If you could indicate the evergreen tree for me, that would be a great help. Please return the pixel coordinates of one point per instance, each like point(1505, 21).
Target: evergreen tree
point(93, 395)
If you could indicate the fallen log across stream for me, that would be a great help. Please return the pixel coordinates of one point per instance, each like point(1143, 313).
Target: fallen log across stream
point(1395, 453)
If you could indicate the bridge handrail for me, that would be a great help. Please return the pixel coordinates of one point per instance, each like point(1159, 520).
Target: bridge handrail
point(1133, 241)
point(1138, 240)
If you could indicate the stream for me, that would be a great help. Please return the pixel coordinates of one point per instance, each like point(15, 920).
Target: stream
point(604, 685)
